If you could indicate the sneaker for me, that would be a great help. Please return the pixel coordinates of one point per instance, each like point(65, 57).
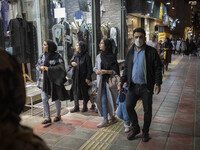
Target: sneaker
point(92, 107)
point(113, 120)
point(103, 124)
point(126, 128)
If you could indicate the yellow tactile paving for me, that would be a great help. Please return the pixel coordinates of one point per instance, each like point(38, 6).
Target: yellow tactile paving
point(105, 136)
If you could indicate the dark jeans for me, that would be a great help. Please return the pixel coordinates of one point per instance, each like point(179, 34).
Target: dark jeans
point(135, 93)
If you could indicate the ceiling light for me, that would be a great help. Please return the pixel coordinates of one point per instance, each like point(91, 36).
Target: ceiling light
point(168, 3)
point(173, 7)
point(149, 2)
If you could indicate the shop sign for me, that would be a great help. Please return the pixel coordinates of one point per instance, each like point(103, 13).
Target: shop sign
point(162, 36)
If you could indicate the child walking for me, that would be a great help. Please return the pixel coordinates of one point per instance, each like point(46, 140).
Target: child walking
point(121, 111)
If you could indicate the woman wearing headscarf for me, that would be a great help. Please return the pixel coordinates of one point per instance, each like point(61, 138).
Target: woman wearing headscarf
point(106, 65)
point(82, 64)
point(51, 79)
point(13, 135)
point(168, 49)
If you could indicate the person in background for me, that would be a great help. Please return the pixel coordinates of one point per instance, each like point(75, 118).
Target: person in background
point(154, 43)
point(173, 46)
point(105, 66)
point(143, 74)
point(82, 64)
point(167, 48)
point(51, 79)
point(13, 135)
point(178, 46)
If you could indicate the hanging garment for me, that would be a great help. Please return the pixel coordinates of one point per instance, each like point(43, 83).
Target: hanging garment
point(113, 34)
point(4, 15)
point(2, 43)
point(19, 29)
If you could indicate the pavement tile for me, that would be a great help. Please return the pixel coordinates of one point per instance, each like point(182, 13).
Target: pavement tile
point(82, 133)
point(181, 139)
point(69, 142)
point(72, 122)
point(39, 132)
point(62, 129)
point(183, 123)
point(155, 107)
point(189, 117)
point(120, 147)
point(170, 104)
point(45, 128)
point(160, 127)
point(51, 138)
point(185, 111)
point(182, 130)
point(90, 125)
point(185, 106)
point(165, 114)
point(152, 145)
point(175, 146)
point(173, 94)
point(162, 120)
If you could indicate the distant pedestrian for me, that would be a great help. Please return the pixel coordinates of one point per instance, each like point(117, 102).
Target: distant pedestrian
point(106, 65)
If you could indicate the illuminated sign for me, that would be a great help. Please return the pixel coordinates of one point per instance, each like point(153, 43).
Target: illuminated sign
point(193, 2)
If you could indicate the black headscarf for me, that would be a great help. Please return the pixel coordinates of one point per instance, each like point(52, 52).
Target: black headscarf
point(83, 48)
point(108, 59)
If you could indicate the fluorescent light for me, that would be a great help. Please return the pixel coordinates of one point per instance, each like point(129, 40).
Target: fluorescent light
point(168, 3)
point(149, 2)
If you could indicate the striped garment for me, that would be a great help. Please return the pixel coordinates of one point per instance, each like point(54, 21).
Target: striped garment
point(41, 73)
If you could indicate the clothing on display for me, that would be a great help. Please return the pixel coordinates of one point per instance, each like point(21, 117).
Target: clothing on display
point(4, 14)
point(2, 44)
point(19, 30)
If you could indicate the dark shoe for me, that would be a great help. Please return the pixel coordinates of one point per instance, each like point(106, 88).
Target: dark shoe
point(145, 137)
point(56, 119)
point(113, 120)
point(133, 133)
point(84, 109)
point(75, 109)
point(46, 121)
point(92, 107)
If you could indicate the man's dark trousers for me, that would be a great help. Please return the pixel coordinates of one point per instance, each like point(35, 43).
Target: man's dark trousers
point(136, 92)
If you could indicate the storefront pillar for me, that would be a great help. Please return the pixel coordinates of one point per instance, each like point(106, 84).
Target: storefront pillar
point(123, 24)
point(96, 32)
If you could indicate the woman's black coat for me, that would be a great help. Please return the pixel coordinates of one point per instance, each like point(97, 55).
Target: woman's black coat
point(81, 72)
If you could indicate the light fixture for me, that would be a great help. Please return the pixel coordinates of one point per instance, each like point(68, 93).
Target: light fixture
point(168, 3)
point(173, 7)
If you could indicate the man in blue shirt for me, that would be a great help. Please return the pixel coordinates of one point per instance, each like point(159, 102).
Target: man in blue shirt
point(143, 73)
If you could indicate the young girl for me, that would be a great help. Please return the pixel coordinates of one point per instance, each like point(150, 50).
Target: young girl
point(121, 111)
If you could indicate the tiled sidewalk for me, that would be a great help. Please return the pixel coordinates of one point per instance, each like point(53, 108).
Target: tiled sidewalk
point(175, 123)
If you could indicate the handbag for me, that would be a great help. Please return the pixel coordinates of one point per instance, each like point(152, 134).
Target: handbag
point(70, 72)
point(113, 81)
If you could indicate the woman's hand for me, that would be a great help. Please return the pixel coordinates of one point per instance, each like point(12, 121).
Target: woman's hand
point(98, 72)
point(104, 72)
point(74, 64)
point(87, 81)
point(42, 68)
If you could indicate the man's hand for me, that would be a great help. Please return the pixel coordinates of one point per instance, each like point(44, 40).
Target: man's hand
point(157, 89)
point(104, 72)
point(119, 86)
point(42, 68)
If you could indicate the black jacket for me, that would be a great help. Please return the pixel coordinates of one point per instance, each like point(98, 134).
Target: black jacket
point(57, 78)
point(153, 67)
point(81, 72)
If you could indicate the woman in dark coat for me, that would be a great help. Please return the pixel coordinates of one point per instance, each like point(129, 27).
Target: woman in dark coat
point(168, 48)
point(51, 79)
point(82, 64)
